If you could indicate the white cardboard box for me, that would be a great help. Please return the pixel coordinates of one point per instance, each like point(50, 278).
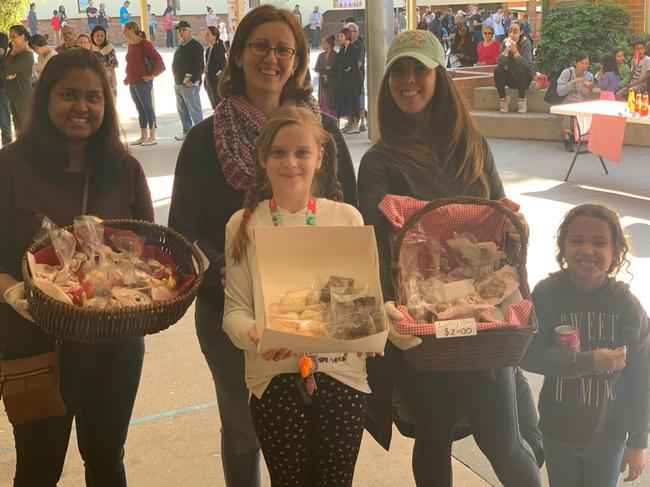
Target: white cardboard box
point(290, 258)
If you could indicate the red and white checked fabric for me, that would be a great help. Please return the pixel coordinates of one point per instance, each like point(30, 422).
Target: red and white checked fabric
point(442, 224)
point(518, 315)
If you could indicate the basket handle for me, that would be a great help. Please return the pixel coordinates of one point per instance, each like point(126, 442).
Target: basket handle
point(516, 251)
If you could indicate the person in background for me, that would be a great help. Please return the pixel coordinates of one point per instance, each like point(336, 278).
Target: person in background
point(5, 115)
point(102, 17)
point(499, 30)
point(428, 148)
point(436, 27)
point(55, 22)
point(223, 35)
point(640, 67)
point(462, 51)
point(72, 146)
point(476, 23)
point(38, 44)
point(401, 18)
point(125, 16)
point(527, 29)
point(18, 67)
point(448, 20)
point(213, 173)
point(69, 38)
point(106, 53)
point(140, 81)
point(575, 84)
point(488, 49)
point(83, 41)
point(32, 19)
point(93, 15)
point(297, 13)
point(188, 68)
point(152, 23)
point(168, 26)
point(211, 19)
point(595, 401)
point(608, 77)
point(63, 17)
point(315, 27)
point(624, 72)
point(359, 44)
point(325, 67)
point(348, 84)
point(515, 68)
point(215, 63)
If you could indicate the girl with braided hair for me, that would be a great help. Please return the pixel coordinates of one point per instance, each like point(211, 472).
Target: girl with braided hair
point(294, 184)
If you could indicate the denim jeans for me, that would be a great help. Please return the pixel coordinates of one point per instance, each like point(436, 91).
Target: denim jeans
point(240, 450)
point(170, 38)
point(188, 105)
point(99, 383)
point(574, 466)
point(5, 118)
point(437, 399)
point(141, 95)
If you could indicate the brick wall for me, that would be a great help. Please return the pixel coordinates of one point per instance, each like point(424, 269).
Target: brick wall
point(115, 31)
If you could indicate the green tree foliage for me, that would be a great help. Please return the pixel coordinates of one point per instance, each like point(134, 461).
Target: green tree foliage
point(581, 26)
point(12, 12)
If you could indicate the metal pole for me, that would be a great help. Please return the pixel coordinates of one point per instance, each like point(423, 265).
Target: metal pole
point(411, 16)
point(144, 18)
point(379, 35)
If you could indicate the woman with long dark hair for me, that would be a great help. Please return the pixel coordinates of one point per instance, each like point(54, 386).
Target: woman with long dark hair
point(462, 51)
point(143, 64)
point(266, 70)
point(428, 149)
point(325, 67)
point(17, 73)
point(215, 62)
point(348, 82)
point(69, 157)
point(106, 53)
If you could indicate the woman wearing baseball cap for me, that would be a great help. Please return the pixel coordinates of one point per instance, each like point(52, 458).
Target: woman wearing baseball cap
point(428, 149)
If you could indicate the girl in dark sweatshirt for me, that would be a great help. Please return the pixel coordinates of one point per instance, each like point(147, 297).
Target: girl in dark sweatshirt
point(595, 402)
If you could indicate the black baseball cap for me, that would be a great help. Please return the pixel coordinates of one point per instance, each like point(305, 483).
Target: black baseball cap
point(183, 24)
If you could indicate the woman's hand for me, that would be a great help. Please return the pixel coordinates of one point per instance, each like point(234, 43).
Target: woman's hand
point(511, 231)
point(578, 81)
point(9, 77)
point(15, 297)
point(147, 78)
point(635, 460)
point(253, 335)
point(403, 342)
point(606, 360)
point(277, 354)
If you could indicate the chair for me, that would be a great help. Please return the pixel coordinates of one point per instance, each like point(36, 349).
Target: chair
point(581, 126)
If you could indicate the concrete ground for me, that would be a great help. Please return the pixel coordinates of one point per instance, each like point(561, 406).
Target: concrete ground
point(174, 440)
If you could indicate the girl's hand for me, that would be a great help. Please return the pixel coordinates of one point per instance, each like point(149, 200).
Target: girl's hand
point(370, 354)
point(578, 81)
point(253, 335)
point(147, 78)
point(9, 77)
point(511, 231)
point(608, 360)
point(277, 354)
point(635, 459)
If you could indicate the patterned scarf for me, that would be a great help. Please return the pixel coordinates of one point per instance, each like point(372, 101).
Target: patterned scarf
point(236, 125)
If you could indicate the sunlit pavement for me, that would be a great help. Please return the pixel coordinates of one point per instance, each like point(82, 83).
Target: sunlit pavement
point(174, 438)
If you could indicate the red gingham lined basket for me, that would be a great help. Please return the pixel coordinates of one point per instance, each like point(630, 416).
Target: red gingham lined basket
point(496, 345)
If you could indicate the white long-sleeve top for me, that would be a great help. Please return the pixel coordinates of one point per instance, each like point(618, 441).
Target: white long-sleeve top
point(244, 300)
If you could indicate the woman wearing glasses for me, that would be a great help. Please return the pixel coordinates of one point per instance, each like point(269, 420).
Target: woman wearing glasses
point(515, 68)
point(266, 68)
point(488, 49)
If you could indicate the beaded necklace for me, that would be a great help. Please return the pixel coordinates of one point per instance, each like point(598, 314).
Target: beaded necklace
point(276, 216)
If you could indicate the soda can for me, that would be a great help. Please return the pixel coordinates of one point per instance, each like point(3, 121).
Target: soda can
point(566, 336)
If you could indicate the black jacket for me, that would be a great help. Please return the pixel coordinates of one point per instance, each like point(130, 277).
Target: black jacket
point(215, 60)
point(4, 45)
point(203, 202)
point(576, 405)
point(188, 59)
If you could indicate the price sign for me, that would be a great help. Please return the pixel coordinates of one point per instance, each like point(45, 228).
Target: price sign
point(455, 328)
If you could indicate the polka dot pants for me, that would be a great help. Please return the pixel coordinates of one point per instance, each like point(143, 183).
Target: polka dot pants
point(313, 445)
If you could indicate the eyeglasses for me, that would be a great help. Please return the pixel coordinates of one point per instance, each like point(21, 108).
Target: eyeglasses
point(514, 30)
point(281, 52)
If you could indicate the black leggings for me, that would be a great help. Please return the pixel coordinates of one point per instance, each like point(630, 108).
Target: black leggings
point(517, 78)
point(309, 445)
point(437, 399)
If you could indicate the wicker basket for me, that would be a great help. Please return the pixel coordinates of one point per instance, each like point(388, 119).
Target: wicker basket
point(68, 322)
point(489, 349)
